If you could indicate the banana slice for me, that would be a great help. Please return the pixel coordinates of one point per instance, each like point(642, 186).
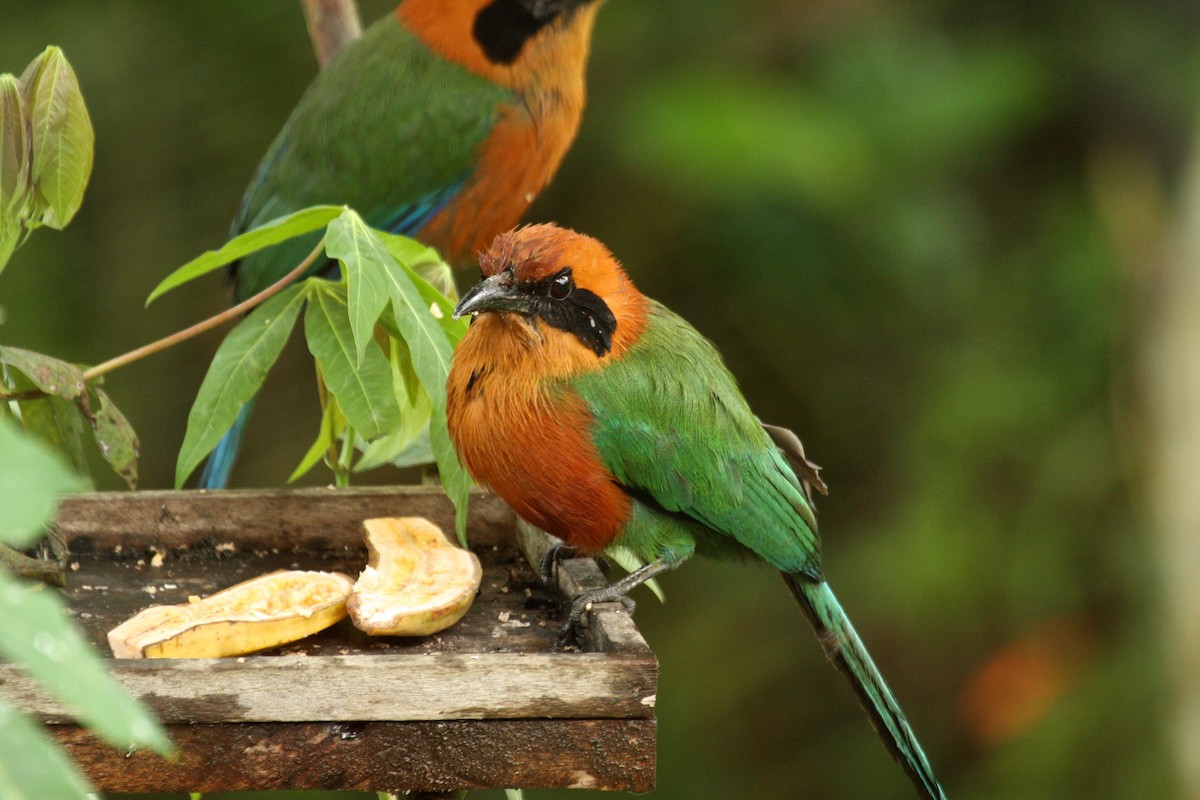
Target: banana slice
point(416, 582)
point(263, 612)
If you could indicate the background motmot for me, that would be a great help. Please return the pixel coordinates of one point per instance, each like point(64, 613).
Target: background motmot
point(603, 418)
point(443, 122)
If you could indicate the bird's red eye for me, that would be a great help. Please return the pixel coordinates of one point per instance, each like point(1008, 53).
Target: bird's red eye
point(561, 285)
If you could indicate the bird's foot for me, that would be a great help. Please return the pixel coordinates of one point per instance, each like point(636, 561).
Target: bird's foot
point(554, 555)
point(572, 632)
point(615, 592)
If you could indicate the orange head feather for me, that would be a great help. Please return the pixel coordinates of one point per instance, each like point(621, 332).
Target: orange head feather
point(553, 304)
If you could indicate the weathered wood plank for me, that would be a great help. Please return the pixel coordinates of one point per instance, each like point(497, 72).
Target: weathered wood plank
point(380, 756)
point(374, 687)
point(280, 518)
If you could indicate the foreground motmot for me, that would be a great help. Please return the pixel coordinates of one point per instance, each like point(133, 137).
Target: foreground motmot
point(443, 122)
point(604, 419)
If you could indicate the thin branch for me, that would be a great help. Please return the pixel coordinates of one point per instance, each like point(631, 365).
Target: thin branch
point(208, 324)
point(332, 24)
point(186, 333)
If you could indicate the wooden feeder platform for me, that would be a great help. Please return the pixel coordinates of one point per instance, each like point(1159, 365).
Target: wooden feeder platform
point(492, 702)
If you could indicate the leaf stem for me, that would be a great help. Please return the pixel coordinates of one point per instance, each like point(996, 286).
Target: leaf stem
point(208, 324)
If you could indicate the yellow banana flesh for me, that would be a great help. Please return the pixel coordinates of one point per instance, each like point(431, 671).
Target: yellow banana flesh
point(416, 582)
point(262, 612)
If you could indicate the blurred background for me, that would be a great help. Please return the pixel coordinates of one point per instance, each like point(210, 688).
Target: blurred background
point(952, 244)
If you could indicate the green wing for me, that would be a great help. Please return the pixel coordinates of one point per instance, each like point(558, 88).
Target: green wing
point(388, 127)
point(675, 431)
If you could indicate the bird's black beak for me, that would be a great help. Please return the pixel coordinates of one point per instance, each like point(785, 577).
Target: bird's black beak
point(497, 293)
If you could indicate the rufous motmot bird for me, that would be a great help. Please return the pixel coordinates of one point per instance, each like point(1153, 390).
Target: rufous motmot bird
point(604, 419)
point(443, 122)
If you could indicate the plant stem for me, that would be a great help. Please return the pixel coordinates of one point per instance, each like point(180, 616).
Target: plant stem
point(208, 324)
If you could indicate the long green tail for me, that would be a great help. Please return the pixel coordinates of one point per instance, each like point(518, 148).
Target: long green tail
point(850, 656)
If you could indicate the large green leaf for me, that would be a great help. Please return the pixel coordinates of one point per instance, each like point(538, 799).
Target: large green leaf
point(269, 233)
point(364, 392)
point(31, 479)
point(62, 137)
point(431, 350)
point(351, 242)
point(37, 633)
point(236, 374)
point(31, 767)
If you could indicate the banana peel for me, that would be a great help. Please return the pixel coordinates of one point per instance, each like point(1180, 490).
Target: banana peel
point(416, 581)
point(256, 614)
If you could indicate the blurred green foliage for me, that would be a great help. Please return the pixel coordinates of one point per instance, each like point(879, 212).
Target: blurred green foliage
point(886, 217)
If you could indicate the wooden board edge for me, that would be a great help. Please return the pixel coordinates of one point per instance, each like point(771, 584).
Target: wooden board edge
point(379, 756)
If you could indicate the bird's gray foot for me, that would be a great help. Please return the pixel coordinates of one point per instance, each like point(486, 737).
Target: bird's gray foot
point(554, 555)
point(615, 592)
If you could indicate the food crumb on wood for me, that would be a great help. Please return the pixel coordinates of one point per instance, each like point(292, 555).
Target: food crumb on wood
point(157, 560)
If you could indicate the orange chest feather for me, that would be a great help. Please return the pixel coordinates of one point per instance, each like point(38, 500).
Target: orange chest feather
point(529, 442)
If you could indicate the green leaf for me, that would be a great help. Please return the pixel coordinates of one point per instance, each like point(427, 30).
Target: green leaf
point(39, 635)
point(351, 242)
point(433, 278)
point(235, 375)
point(48, 374)
point(31, 766)
point(31, 479)
point(115, 437)
point(364, 392)
point(62, 139)
point(57, 422)
point(277, 230)
point(333, 422)
point(431, 351)
point(408, 443)
point(15, 161)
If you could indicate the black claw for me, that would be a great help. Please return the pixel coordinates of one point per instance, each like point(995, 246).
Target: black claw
point(554, 555)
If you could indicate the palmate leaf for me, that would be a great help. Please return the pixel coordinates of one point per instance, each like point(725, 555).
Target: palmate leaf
point(363, 390)
point(269, 233)
point(236, 374)
point(62, 138)
point(433, 279)
point(31, 767)
point(31, 479)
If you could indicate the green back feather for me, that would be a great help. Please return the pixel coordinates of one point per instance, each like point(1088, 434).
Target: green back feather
point(672, 426)
point(380, 129)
